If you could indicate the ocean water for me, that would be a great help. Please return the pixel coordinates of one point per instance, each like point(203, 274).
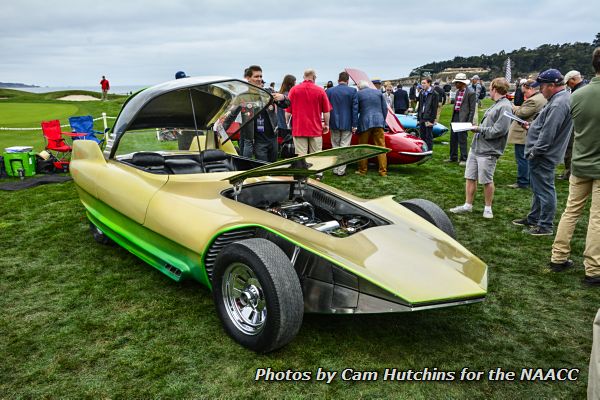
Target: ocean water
point(113, 89)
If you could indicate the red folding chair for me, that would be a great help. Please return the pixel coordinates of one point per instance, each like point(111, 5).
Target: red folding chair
point(56, 145)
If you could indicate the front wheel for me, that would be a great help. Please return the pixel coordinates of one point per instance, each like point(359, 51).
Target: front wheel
point(432, 213)
point(258, 295)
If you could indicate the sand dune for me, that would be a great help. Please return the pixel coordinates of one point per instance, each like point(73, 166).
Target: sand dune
point(79, 97)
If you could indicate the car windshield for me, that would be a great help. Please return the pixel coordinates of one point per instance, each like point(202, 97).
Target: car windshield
point(186, 119)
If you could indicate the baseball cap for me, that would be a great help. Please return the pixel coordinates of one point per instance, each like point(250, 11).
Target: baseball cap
point(548, 76)
point(180, 74)
point(376, 80)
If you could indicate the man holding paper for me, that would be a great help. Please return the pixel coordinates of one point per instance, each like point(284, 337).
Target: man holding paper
point(487, 146)
point(465, 103)
point(534, 102)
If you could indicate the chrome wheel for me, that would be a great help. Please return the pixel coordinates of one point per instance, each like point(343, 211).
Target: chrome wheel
point(244, 299)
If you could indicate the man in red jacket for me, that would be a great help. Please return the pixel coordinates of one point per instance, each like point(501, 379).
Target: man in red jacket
point(105, 87)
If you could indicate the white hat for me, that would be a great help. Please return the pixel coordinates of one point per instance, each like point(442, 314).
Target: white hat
point(522, 81)
point(460, 77)
point(571, 74)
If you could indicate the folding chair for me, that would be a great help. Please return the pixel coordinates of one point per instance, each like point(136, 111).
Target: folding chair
point(56, 145)
point(85, 125)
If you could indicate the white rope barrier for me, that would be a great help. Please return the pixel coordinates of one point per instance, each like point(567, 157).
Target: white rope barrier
point(104, 118)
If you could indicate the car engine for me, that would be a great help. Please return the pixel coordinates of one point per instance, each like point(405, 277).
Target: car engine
point(308, 215)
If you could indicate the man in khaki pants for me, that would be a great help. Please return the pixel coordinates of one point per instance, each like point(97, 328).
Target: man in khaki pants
point(584, 181)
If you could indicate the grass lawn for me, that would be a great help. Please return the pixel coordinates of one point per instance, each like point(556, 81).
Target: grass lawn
point(21, 109)
point(81, 320)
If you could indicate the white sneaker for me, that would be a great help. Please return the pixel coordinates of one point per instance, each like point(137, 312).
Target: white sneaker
point(488, 214)
point(461, 209)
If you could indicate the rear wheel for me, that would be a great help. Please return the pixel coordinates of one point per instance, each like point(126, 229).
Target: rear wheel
point(258, 295)
point(432, 213)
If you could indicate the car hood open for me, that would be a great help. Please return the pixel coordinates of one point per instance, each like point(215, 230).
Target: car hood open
point(311, 164)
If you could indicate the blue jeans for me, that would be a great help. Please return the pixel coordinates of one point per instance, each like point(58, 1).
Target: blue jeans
point(522, 165)
point(543, 202)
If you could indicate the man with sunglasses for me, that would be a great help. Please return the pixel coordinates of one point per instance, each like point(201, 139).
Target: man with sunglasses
point(547, 139)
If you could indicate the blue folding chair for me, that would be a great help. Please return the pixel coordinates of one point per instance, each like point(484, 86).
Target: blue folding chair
point(85, 124)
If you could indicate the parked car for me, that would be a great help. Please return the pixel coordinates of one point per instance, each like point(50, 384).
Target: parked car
point(410, 124)
point(271, 243)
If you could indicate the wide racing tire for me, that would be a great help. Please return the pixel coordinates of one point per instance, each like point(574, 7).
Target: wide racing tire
point(431, 212)
point(257, 294)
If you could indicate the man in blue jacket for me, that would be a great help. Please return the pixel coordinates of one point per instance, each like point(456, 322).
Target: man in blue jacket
point(372, 110)
point(344, 115)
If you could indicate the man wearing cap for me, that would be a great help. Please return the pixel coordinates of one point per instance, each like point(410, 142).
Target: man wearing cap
point(516, 135)
point(584, 181)
point(180, 74)
point(465, 103)
point(547, 139)
point(573, 81)
point(377, 83)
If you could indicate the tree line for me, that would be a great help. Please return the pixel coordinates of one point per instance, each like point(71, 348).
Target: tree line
point(524, 61)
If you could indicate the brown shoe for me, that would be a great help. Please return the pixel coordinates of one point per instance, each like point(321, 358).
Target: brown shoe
point(360, 173)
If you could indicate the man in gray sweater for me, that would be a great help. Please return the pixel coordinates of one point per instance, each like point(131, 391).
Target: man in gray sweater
point(487, 146)
point(547, 139)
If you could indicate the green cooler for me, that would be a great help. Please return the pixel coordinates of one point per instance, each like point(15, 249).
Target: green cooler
point(20, 164)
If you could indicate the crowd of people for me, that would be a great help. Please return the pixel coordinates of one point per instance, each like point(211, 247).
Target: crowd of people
point(553, 118)
point(558, 120)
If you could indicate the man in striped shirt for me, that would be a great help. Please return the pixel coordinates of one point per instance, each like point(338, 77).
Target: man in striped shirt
point(464, 111)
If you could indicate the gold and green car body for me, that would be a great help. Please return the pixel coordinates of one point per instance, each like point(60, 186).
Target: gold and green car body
point(160, 199)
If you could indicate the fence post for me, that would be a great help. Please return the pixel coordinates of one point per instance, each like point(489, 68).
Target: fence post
point(104, 120)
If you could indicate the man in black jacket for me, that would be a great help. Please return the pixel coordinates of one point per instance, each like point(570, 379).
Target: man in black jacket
point(260, 136)
point(427, 111)
point(400, 101)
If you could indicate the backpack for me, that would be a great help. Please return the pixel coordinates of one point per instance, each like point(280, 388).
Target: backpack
point(482, 93)
point(45, 166)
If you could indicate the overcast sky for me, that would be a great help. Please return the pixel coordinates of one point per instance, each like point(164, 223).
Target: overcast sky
point(73, 43)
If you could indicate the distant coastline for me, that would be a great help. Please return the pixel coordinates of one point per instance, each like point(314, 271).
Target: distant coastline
point(10, 85)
